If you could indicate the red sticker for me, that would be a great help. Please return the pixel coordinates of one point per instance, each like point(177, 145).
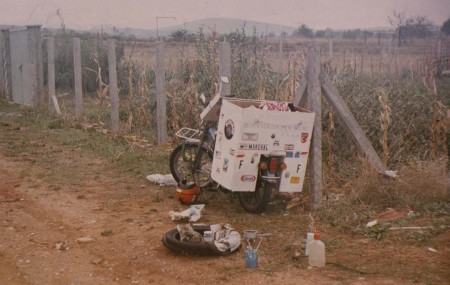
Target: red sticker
point(304, 137)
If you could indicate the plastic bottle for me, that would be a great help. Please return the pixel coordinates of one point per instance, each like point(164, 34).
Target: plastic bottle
point(309, 239)
point(316, 255)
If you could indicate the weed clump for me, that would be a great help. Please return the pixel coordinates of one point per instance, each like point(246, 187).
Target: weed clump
point(420, 194)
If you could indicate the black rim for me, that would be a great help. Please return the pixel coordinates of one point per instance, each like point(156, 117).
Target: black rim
point(254, 199)
point(257, 201)
point(183, 164)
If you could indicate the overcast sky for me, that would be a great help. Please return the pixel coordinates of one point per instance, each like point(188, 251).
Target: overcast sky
point(317, 14)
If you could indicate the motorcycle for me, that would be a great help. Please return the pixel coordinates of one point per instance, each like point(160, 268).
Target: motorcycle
point(192, 161)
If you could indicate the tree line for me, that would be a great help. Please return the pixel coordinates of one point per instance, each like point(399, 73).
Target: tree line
point(403, 29)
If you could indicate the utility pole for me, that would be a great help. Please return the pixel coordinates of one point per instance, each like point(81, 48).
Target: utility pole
point(157, 29)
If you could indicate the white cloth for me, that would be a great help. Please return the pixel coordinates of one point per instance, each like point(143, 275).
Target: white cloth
point(226, 239)
point(162, 180)
point(193, 213)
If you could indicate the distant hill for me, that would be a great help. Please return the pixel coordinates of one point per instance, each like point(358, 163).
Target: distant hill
point(227, 25)
point(219, 25)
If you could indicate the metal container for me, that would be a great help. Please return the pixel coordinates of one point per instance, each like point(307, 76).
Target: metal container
point(250, 234)
point(251, 258)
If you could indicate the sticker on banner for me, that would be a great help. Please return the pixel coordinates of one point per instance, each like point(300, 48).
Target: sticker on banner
point(288, 147)
point(304, 137)
point(225, 164)
point(295, 180)
point(248, 178)
point(229, 129)
point(248, 146)
point(250, 136)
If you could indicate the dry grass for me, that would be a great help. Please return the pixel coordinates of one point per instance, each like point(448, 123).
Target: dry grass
point(419, 183)
point(420, 195)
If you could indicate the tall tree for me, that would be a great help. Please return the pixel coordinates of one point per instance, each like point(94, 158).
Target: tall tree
point(304, 31)
point(418, 27)
point(446, 27)
point(398, 21)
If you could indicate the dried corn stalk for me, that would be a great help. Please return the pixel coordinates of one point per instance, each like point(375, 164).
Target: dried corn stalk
point(438, 128)
point(384, 121)
point(102, 89)
point(330, 136)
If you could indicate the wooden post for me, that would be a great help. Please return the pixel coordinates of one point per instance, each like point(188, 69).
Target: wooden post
point(77, 76)
point(52, 102)
point(299, 98)
point(315, 105)
point(225, 68)
point(389, 58)
point(161, 116)
point(2, 67)
point(330, 49)
point(439, 56)
point(353, 128)
point(113, 90)
point(280, 57)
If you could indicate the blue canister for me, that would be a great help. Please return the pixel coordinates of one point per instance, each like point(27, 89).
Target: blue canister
point(251, 258)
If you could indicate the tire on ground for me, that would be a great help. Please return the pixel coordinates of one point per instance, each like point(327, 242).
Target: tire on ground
point(172, 241)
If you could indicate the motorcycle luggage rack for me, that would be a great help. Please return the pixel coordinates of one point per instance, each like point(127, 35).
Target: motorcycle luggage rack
point(190, 135)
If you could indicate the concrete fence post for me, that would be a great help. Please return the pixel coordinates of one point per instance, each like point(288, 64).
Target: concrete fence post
point(315, 105)
point(161, 115)
point(52, 103)
point(280, 57)
point(36, 65)
point(330, 49)
point(113, 90)
point(77, 77)
point(2, 67)
point(7, 63)
point(225, 67)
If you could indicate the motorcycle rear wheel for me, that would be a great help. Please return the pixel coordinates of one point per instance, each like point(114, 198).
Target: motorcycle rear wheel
point(181, 165)
point(256, 202)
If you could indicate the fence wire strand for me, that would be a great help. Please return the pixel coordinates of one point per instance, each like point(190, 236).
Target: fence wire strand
point(394, 94)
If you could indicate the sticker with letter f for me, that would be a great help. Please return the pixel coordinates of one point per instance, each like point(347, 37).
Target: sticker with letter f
point(240, 163)
point(298, 167)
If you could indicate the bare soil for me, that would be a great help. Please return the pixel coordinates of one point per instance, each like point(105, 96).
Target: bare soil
point(53, 193)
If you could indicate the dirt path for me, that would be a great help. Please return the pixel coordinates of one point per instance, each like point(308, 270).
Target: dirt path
point(52, 195)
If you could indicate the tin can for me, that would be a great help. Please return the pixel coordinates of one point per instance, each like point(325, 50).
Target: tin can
point(251, 258)
point(208, 236)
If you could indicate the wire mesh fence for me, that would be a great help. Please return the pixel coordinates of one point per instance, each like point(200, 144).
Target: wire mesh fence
point(402, 109)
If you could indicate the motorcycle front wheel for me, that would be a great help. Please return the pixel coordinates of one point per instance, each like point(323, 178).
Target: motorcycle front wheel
point(257, 201)
point(182, 165)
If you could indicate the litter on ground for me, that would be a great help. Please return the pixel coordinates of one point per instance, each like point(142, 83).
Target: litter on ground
point(162, 180)
point(191, 214)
